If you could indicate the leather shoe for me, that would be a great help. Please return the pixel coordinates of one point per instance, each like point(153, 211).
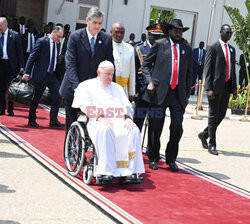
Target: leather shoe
point(11, 113)
point(173, 166)
point(212, 150)
point(203, 141)
point(153, 165)
point(56, 124)
point(33, 124)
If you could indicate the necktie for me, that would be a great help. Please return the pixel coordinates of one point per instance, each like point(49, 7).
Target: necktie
point(92, 44)
point(200, 56)
point(31, 42)
point(227, 61)
point(175, 70)
point(21, 29)
point(52, 62)
point(1, 45)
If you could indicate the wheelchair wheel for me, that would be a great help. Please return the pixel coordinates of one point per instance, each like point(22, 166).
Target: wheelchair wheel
point(88, 174)
point(74, 149)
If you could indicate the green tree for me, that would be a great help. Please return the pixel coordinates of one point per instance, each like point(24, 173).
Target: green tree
point(241, 28)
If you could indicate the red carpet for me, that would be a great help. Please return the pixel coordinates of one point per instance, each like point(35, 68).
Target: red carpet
point(164, 197)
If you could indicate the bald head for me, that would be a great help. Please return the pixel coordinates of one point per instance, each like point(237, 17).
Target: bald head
point(117, 32)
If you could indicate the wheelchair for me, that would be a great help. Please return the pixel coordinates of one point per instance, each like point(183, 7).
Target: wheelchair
point(79, 152)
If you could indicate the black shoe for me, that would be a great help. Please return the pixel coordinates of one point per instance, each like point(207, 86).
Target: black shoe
point(153, 165)
point(173, 166)
point(203, 141)
point(2, 113)
point(11, 113)
point(56, 124)
point(33, 124)
point(212, 150)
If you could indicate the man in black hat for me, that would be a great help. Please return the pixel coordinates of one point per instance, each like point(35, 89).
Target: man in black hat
point(168, 85)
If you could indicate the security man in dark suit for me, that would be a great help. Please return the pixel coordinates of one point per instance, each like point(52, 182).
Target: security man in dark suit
point(168, 85)
point(220, 75)
point(155, 32)
point(62, 47)
point(28, 42)
point(243, 71)
point(198, 64)
point(11, 62)
point(40, 68)
point(86, 49)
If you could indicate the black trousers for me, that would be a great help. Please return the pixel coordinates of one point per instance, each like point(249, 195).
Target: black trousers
point(141, 109)
point(217, 111)
point(243, 77)
point(50, 81)
point(156, 123)
point(71, 113)
point(6, 75)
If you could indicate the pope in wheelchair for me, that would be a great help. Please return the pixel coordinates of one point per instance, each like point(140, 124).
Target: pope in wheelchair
point(116, 138)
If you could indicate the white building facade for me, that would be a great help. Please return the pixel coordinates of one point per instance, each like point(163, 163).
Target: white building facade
point(135, 15)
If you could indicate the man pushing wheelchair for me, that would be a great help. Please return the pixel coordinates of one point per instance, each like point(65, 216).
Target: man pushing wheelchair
point(116, 138)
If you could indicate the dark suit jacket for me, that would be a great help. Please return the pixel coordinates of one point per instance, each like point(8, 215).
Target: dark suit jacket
point(15, 51)
point(38, 62)
point(64, 46)
point(215, 68)
point(196, 56)
point(80, 63)
point(25, 40)
point(160, 56)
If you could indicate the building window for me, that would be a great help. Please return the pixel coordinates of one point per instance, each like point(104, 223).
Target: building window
point(69, 0)
point(89, 2)
point(83, 8)
point(161, 15)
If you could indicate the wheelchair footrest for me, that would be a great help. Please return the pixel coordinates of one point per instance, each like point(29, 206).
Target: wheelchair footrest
point(124, 180)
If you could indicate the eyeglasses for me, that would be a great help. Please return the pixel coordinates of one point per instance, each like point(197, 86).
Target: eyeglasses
point(229, 32)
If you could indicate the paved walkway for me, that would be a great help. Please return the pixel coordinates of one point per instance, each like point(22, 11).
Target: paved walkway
point(30, 194)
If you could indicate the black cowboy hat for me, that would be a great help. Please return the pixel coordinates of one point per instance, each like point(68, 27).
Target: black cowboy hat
point(176, 23)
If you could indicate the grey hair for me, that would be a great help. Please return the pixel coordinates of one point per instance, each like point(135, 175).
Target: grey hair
point(94, 12)
point(3, 20)
point(57, 28)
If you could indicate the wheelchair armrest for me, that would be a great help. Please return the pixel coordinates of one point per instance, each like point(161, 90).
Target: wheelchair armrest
point(82, 117)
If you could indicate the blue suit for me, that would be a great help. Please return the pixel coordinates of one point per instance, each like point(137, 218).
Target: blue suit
point(82, 65)
point(37, 66)
point(197, 70)
point(141, 105)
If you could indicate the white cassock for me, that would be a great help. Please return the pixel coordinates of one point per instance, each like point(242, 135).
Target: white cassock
point(118, 149)
point(124, 60)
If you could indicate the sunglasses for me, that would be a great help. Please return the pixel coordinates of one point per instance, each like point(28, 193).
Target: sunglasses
point(229, 32)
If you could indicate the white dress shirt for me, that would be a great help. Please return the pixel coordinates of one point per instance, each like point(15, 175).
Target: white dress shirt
point(90, 36)
point(51, 49)
point(222, 43)
point(5, 54)
point(172, 53)
point(33, 42)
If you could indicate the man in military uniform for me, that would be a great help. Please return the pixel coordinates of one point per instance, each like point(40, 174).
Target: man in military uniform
point(154, 33)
